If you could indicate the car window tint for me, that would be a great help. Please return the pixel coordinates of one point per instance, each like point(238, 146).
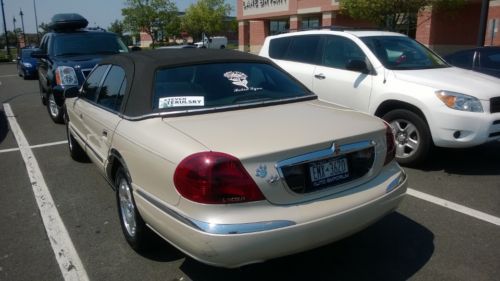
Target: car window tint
point(302, 49)
point(91, 85)
point(110, 89)
point(222, 84)
point(278, 47)
point(490, 60)
point(337, 51)
point(463, 59)
point(88, 43)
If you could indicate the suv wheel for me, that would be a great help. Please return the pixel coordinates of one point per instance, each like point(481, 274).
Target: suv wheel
point(56, 112)
point(133, 226)
point(413, 138)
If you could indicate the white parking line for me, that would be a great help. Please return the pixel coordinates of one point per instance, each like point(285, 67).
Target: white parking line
point(69, 262)
point(34, 146)
point(8, 75)
point(454, 206)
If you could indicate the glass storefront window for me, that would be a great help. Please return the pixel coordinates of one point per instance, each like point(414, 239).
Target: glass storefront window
point(309, 23)
point(278, 26)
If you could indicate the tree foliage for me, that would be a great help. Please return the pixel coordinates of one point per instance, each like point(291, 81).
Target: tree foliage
point(205, 16)
point(154, 17)
point(117, 27)
point(389, 13)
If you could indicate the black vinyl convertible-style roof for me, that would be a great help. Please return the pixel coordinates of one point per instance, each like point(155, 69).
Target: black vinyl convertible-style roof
point(140, 68)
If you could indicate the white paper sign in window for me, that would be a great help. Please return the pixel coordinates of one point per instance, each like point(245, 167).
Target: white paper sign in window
point(169, 102)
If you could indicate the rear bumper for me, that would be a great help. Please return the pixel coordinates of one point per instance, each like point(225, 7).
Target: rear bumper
point(237, 244)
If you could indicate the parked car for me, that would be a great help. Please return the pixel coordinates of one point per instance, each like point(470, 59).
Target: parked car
point(484, 59)
point(26, 65)
point(215, 42)
point(426, 101)
point(67, 55)
point(228, 157)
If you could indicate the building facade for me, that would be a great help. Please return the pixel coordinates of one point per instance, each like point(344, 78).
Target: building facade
point(445, 31)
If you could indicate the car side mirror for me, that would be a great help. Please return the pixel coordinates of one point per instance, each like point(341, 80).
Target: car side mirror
point(39, 54)
point(71, 92)
point(357, 65)
point(18, 58)
point(135, 49)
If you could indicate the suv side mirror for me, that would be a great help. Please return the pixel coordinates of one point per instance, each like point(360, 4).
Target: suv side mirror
point(39, 54)
point(71, 92)
point(357, 65)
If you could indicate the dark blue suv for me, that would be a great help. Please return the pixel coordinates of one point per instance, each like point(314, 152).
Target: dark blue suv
point(67, 55)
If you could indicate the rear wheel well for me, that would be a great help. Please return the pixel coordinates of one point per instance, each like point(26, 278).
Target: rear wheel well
point(389, 105)
point(115, 162)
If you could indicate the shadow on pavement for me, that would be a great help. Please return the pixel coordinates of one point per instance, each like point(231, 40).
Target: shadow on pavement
point(395, 248)
point(4, 126)
point(480, 160)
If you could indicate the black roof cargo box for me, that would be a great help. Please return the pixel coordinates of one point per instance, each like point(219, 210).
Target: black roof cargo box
point(67, 22)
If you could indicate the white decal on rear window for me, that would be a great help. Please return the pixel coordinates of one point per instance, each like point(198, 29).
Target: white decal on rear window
point(238, 78)
point(181, 101)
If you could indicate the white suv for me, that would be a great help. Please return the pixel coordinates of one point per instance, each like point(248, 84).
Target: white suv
point(389, 75)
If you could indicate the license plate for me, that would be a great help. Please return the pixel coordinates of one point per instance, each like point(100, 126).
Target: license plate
point(328, 171)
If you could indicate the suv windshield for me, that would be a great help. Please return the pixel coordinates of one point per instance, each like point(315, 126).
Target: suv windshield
point(26, 53)
point(402, 53)
point(221, 85)
point(88, 43)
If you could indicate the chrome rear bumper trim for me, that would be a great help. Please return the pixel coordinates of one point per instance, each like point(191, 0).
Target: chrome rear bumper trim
point(215, 228)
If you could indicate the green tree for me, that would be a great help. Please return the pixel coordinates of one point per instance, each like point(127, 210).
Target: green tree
point(390, 13)
point(205, 16)
point(43, 28)
point(117, 27)
point(150, 16)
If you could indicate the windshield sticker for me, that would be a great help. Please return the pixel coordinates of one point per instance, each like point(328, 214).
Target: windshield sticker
point(240, 79)
point(181, 101)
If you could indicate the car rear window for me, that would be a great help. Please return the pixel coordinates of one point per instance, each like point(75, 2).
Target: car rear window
point(221, 85)
point(295, 48)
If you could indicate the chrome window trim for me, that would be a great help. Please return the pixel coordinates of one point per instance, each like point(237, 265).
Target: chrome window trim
point(215, 228)
point(218, 109)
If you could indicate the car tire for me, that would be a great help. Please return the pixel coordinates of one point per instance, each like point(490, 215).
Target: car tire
point(56, 112)
point(137, 234)
point(75, 150)
point(412, 134)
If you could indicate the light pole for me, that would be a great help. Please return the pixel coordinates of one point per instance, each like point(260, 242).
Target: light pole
point(14, 23)
point(5, 30)
point(36, 23)
point(22, 23)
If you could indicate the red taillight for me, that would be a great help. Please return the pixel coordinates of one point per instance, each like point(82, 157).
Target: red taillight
point(215, 178)
point(390, 143)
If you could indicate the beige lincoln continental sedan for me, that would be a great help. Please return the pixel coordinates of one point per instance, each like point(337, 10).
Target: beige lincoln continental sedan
point(228, 157)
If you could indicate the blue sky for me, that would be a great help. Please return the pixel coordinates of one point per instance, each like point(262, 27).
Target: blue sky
point(97, 12)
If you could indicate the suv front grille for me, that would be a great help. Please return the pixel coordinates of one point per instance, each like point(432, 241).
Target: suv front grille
point(316, 174)
point(495, 104)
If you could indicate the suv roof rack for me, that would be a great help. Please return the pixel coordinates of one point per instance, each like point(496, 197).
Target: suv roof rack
point(60, 22)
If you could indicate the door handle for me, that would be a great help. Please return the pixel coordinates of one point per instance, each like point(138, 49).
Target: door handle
point(320, 76)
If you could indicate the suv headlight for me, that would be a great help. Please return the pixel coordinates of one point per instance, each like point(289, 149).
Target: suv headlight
point(66, 76)
point(460, 101)
point(27, 64)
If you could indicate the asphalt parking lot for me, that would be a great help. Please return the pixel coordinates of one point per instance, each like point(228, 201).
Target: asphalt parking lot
point(448, 227)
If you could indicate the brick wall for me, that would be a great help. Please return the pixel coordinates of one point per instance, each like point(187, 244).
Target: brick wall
point(258, 32)
point(494, 13)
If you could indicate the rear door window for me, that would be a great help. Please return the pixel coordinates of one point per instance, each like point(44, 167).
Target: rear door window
point(278, 47)
point(303, 49)
point(338, 51)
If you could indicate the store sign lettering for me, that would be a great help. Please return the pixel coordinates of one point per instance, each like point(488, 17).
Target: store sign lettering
point(253, 7)
point(257, 4)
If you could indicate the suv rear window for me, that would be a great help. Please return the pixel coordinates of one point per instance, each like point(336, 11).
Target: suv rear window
point(221, 85)
point(295, 48)
point(87, 43)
